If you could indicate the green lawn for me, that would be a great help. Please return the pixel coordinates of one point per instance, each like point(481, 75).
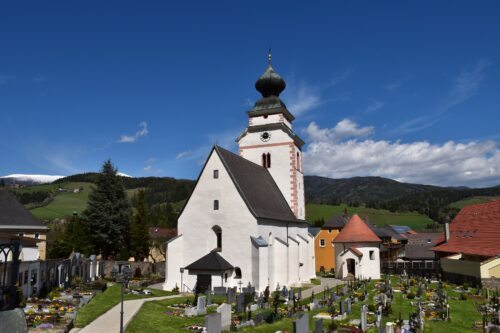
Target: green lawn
point(104, 301)
point(152, 318)
point(414, 220)
point(64, 203)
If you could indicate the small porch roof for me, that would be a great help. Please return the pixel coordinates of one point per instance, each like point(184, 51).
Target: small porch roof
point(212, 262)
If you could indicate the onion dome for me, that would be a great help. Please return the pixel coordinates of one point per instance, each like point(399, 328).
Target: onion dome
point(270, 83)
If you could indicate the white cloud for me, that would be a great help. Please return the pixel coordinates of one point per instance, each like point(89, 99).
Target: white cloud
point(394, 85)
point(342, 152)
point(302, 99)
point(464, 87)
point(343, 130)
point(143, 131)
point(183, 154)
point(374, 106)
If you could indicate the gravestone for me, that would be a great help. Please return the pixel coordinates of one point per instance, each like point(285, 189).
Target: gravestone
point(301, 325)
point(284, 292)
point(299, 294)
point(384, 299)
point(291, 295)
point(318, 326)
point(348, 306)
point(240, 301)
point(389, 327)
point(220, 290)
point(231, 295)
point(332, 295)
point(379, 316)
point(13, 321)
point(213, 323)
point(342, 308)
point(364, 310)
point(201, 305)
point(225, 313)
point(344, 289)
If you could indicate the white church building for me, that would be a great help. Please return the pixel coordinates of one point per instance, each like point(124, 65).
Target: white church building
point(244, 222)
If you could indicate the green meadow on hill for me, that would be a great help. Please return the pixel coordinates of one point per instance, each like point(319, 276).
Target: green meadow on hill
point(379, 217)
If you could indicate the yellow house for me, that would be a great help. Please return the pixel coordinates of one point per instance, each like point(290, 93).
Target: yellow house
point(323, 242)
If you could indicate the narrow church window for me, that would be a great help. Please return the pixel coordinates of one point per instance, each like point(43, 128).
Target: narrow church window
point(264, 160)
point(298, 161)
point(237, 273)
point(216, 174)
point(372, 255)
point(268, 160)
point(216, 204)
point(218, 234)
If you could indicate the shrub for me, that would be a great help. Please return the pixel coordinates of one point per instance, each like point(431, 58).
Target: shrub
point(176, 289)
point(372, 307)
point(410, 295)
point(412, 282)
point(466, 286)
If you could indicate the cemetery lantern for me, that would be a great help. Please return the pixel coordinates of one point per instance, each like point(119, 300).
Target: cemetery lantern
point(123, 278)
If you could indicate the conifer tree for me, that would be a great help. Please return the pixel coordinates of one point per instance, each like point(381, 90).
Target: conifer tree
point(108, 214)
point(139, 233)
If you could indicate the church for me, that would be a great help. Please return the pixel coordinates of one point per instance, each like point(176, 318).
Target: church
point(244, 223)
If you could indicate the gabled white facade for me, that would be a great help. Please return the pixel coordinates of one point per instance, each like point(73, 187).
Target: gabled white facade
point(286, 258)
point(366, 265)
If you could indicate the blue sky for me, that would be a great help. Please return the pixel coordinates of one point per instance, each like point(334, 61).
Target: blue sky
point(406, 90)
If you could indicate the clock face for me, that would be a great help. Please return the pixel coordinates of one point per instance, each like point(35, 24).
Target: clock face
point(266, 136)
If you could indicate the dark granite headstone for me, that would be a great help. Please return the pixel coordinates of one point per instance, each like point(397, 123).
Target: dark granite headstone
point(301, 325)
point(220, 290)
point(240, 300)
point(231, 295)
point(348, 306)
point(342, 307)
point(318, 326)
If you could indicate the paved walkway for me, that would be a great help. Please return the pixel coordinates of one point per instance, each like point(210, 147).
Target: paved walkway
point(325, 282)
point(109, 322)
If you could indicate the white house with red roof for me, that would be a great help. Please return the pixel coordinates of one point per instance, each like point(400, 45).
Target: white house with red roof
point(470, 247)
point(357, 251)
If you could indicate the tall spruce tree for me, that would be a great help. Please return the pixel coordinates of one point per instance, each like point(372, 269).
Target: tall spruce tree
point(108, 214)
point(139, 230)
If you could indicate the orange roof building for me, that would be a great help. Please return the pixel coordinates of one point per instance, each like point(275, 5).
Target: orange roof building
point(470, 247)
point(357, 251)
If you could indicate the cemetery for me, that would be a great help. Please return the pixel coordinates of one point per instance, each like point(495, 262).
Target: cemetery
point(392, 304)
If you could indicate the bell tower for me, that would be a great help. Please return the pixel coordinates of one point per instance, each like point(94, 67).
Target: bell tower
point(270, 141)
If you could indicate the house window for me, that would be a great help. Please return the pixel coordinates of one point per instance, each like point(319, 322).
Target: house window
point(216, 204)
point(372, 255)
point(237, 273)
point(37, 235)
point(216, 174)
point(218, 234)
point(322, 243)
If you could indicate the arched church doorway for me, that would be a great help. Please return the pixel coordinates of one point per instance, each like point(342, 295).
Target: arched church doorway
point(351, 267)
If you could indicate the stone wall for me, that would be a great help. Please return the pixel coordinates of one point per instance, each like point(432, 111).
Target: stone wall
point(146, 268)
point(491, 283)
